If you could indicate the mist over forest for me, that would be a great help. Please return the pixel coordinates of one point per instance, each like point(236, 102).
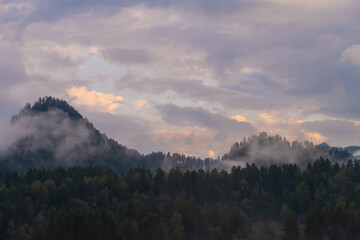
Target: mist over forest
point(51, 133)
point(179, 120)
point(61, 178)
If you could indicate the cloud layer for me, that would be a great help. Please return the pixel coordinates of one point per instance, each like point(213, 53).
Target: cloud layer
point(188, 74)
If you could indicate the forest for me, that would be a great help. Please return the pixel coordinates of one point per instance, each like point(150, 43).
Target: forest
point(64, 179)
point(251, 202)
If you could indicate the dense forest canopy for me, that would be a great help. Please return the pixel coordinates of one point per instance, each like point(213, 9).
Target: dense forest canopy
point(275, 202)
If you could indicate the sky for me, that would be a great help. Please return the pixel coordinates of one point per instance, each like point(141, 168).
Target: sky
point(186, 76)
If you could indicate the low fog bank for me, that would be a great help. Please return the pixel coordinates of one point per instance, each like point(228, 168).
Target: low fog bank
point(51, 133)
point(264, 150)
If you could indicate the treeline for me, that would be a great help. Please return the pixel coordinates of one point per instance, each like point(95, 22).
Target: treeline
point(46, 104)
point(264, 149)
point(275, 202)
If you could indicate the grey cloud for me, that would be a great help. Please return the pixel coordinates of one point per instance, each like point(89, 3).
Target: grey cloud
point(126, 130)
point(189, 116)
point(12, 68)
point(196, 90)
point(297, 51)
point(54, 61)
point(137, 133)
point(338, 132)
point(304, 52)
point(142, 135)
point(53, 10)
point(128, 56)
point(147, 136)
point(302, 58)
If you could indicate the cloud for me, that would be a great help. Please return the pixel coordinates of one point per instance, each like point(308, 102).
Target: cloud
point(315, 137)
point(226, 47)
point(127, 56)
point(152, 135)
point(196, 90)
point(50, 62)
point(179, 140)
point(320, 4)
point(286, 58)
point(53, 10)
point(10, 133)
point(272, 119)
point(140, 103)
point(283, 124)
point(11, 65)
point(189, 116)
point(352, 54)
point(239, 118)
point(127, 130)
point(337, 132)
point(100, 101)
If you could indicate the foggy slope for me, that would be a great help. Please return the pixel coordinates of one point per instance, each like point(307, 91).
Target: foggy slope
point(265, 150)
point(51, 133)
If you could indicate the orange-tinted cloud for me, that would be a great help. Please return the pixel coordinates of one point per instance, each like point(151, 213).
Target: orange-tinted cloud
point(140, 103)
point(100, 101)
point(239, 118)
point(315, 137)
point(269, 118)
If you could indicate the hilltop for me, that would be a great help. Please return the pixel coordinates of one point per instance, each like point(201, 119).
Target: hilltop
point(52, 133)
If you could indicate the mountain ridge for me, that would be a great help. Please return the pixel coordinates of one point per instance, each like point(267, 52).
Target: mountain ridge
point(58, 135)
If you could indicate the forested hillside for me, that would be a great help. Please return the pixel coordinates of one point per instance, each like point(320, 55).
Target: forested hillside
point(51, 133)
point(63, 179)
point(266, 149)
point(275, 202)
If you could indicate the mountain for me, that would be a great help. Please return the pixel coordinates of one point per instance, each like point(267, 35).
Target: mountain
point(53, 133)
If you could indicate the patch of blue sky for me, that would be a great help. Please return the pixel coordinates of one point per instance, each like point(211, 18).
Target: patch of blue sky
point(97, 66)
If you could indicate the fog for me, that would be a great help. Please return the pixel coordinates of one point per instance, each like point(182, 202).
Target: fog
point(52, 138)
point(68, 139)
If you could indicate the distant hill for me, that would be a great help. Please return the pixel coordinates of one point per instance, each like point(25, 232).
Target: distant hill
point(55, 134)
point(265, 150)
point(52, 133)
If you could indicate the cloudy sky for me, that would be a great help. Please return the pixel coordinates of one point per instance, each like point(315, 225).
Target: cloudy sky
point(189, 76)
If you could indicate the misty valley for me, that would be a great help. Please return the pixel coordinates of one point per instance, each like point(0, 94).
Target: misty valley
point(61, 178)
